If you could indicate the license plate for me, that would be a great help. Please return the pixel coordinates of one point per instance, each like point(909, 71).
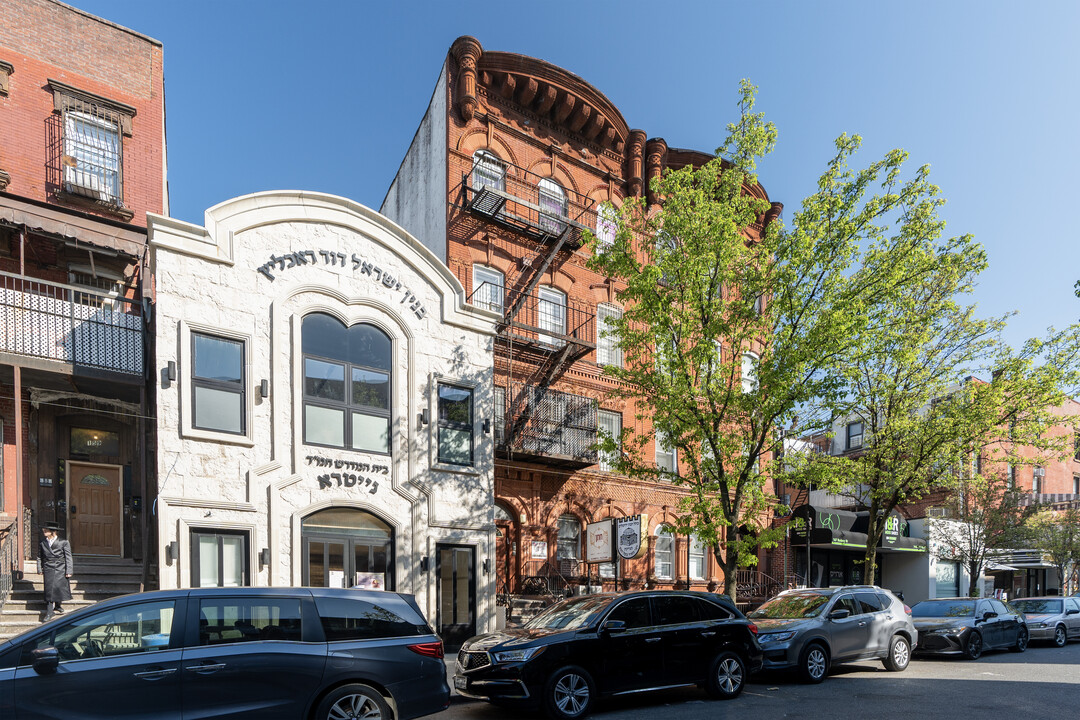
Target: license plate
point(461, 683)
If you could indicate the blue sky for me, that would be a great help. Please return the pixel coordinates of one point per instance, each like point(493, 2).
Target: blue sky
point(326, 96)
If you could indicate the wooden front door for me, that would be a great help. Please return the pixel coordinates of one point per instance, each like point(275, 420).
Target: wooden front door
point(94, 509)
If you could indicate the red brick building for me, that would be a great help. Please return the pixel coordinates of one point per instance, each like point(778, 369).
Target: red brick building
point(513, 160)
point(82, 160)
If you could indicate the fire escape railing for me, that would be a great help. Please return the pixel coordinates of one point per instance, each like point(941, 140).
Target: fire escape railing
point(68, 324)
point(545, 423)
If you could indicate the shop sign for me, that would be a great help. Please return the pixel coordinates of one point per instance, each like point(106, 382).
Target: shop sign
point(538, 550)
point(598, 542)
point(360, 266)
point(347, 479)
point(632, 534)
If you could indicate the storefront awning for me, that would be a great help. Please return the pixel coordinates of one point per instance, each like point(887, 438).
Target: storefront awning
point(841, 529)
point(72, 225)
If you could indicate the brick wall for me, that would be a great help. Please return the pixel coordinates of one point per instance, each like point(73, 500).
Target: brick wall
point(44, 39)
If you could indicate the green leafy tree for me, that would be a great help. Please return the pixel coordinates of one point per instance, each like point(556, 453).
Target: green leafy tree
point(1057, 536)
point(731, 329)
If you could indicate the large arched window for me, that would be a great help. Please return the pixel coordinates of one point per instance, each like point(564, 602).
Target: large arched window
point(347, 389)
point(488, 171)
point(665, 552)
point(553, 206)
point(345, 547)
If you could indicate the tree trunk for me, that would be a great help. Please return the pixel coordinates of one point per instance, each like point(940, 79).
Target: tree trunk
point(731, 575)
point(974, 571)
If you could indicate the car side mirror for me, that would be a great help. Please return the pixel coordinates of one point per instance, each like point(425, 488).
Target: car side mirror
point(989, 615)
point(44, 660)
point(839, 614)
point(1072, 612)
point(612, 627)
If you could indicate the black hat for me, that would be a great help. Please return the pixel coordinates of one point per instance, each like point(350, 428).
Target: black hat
point(51, 526)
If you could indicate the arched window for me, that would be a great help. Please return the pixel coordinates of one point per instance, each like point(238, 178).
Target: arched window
point(488, 288)
point(488, 171)
point(664, 559)
point(345, 547)
point(347, 389)
point(553, 206)
point(607, 223)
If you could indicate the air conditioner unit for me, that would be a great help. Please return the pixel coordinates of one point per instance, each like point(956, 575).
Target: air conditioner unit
point(938, 512)
point(855, 442)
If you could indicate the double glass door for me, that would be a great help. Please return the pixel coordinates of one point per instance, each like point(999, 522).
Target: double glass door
point(347, 562)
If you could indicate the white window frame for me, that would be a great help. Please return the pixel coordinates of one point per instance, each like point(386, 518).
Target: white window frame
point(664, 552)
point(488, 170)
point(852, 444)
point(607, 350)
point(554, 206)
point(696, 553)
point(490, 296)
point(610, 422)
point(748, 372)
point(551, 315)
point(187, 366)
point(607, 224)
point(99, 142)
point(663, 452)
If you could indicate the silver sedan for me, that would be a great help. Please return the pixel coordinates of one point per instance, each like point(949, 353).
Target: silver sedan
point(1051, 618)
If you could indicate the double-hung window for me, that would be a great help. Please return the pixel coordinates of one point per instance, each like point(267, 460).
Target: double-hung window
point(217, 383)
point(665, 552)
point(608, 351)
point(610, 424)
point(749, 372)
point(455, 425)
point(554, 208)
point(665, 454)
point(347, 385)
point(697, 558)
point(488, 288)
point(551, 311)
point(854, 435)
point(607, 224)
point(92, 156)
point(488, 171)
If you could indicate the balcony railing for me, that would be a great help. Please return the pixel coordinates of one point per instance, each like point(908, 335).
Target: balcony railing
point(80, 327)
point(527, 202)
point(543, 320)
point(549, 425)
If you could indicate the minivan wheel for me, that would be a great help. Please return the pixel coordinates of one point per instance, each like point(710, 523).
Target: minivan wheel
point(353, 702)
point(1021, 641)
point(568, 694)
point(1061, 638)
point(814, 664)
point(974, 646)
point(899, 654)
point(727, 676)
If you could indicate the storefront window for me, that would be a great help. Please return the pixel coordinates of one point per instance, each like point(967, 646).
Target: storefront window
point(345, 548)
point(347, 385)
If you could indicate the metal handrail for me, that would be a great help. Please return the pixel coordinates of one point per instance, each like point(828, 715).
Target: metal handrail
point(7, 562)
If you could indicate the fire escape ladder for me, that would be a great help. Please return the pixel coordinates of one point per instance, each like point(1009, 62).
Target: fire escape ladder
point(534, 279)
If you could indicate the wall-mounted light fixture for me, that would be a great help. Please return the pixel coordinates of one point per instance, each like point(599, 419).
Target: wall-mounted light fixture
point(264, 557)
point(172, 551)
point(487, 426)
point(424, 564)
point(264, 389)
point(425, 416)
point(487, 565)
point(171, 371)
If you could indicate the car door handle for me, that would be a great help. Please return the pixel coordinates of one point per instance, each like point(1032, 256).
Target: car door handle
point(652, 640)
point(155, 673)
point(206, 667)
point(708, 633)
point(862, 624)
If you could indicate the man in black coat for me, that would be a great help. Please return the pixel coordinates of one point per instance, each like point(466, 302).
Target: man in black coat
point(54, 563)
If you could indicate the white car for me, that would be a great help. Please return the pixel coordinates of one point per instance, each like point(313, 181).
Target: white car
point(1051, 618)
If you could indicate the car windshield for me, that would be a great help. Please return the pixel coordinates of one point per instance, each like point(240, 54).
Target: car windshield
point(954, 608)
point(1038, 607)
point(570, 614)
point(793, 606)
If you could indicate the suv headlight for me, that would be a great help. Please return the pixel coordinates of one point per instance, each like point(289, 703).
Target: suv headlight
point(511, 656)
point(776, 637)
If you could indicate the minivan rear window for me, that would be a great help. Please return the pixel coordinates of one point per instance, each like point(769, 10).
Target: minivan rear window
point(349, 619)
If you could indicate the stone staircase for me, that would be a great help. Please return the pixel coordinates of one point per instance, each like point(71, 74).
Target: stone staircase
point(95, 579)
point(525, 608)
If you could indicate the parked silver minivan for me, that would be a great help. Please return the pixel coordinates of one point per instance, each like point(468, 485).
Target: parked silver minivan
point(811, 629)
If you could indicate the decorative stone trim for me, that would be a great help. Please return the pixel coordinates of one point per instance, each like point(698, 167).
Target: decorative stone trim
point(6, 71)
point(5, 180)
point(121, 213)
point(62, 90)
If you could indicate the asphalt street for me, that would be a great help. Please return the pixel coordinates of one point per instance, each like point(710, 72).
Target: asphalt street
point(1043, 682)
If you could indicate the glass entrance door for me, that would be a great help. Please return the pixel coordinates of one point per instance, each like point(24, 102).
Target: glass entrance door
point(346, 548)
point(455, 567)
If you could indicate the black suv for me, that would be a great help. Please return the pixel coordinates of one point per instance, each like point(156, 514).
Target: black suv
point(610, 644)
point(312, 653)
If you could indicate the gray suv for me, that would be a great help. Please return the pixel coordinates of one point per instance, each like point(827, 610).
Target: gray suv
point(810, 629)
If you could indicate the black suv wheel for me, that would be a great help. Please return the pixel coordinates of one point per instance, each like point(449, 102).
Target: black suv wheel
point(568, 694)
point(727, 676)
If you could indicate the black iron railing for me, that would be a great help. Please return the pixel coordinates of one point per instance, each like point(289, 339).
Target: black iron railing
point(542, 422)
point(544, 318)
point(8, 561)
point(51, 321)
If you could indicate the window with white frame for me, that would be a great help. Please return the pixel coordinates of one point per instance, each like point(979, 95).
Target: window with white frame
point(488, 171)
point(106, 286)
point(608, 351)
point(488, 288)
point(1037, 474)
point(551, 316)
point(854, 435)
point(347, 384)
point(607, 223)
point(92, 155)
point(1076, 484)
point(665, 454)
point(610, 424)
point(749, 372)
point(217, 383)
point(697, 558)
point(664, 556)
point(499, 432)
point(568, 540)
point(455, 425)
point(554, 208)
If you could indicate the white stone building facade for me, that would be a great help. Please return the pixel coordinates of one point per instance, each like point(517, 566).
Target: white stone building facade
point(323, 409)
